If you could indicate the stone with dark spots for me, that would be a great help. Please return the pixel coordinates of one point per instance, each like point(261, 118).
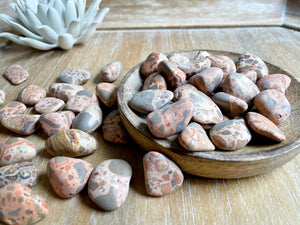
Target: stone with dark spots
point(48, 105)
point(111, 71)
point(81, 100)
point(31, 94)
point(280, 82)
point(64, 91)
point(155, 81)
point(223, 62)
point(75, 76)
point(173, 75)
point(107, 93)
point(201, 62)
point(16, 74)
point(12, 108)
point(182, 62)
point(23, 124)
point(151, 63)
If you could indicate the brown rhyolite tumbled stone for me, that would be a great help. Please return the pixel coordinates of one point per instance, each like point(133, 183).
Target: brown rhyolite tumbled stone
point(111, 71)
point(151, 63)
point(194, 138)
point(31, 94)
point(230, 134)
point(23, 124)
point(107, 93)
point(280, 82)
point(68, 176)
point(64, 91)
point(273, 104)
point(81, 100)
point(20, 205)
point(12, 108)
point(173, 75)
point(150, 100)
point(162, 176)
point(75, 76)
point(16, 74)
point(48, 105)
point(171, 119)
point(182, 62)
point(155, 81)
point(223, 62)
point(263, 126)
point(230, 105)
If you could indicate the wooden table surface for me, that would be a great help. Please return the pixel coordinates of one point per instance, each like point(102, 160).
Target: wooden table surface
point(270, 198)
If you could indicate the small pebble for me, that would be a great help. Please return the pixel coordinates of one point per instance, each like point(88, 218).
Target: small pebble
point(155, 81)
point(107, 93)
point(48, 105)
point(184, 91)
point(151, 63)
point(68, 176)
point(23, 124)
point(16, 74)
point(31, 94)
point(81, 100)
point(173, 75)
point(108, 185)
point(162, 176)
point(55, 122)
point(89, 119)
point(182, 62)
point(12, 108)
point(251, 75)
point(64, 91)
point(24, 172)
point(71, 143)
point(111, 71)
point(20, 205)
point(2, 97)
point(201, 61)
point(75, 76)
point(223, 62)
point(14, 150)
point(280, 82)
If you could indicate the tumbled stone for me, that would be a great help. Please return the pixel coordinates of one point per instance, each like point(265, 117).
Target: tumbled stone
point(20, 205)
point(150, 100)
point(107, 93)
point(31, 94)
point(68, 176)
point(194, 138)
point(248, 61)
point(113, 128)
point(81, 100)
point(89, 119)
point(182, 62)
point(55, 122)
point(240, 86)
point(251, 75)
point(12, 108)
point(75, 76)
point(48, 105)
point(64, 91)
point(173, 75)
point(23, 172)
point(210, 125)
point(14, 150)
point(230, 105)
point(223, 62)
point(162, 176)
point(111, 71)
point(184, 91)
point(151, 63)
point(16, 74)
point(263, 126)
point(170, 119)
point(273, 104)
point(23, 124)
point(155, 81)
point(201, 62)
point(230, 134)
point(108, 185)
point(207, 80)
point(71, 143)
point(280, 82)
point(2, 96)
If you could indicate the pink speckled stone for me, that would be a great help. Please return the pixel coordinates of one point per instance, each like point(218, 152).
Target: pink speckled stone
point(184, 91)
point(162, 176)
point(48, 105)
point(23, 124)
point(201, 62)
point(2, 97)
point(223, 62)
point(31, 94)
point(109, 183)
point(111, 71)
point(16, 74)
point(20, 205)
point(155, 81)
point(64, 91)
point(68, 176)
point(151, 63)
point(75, 76)
point(251, 75)
point(14, 150)
point(107, 93)
point(12, 108)
point(280, 82)
point(173, 75)
point(182, 62)
point(81, 100)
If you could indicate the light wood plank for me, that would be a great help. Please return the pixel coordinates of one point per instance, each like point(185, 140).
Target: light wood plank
point(292, 14)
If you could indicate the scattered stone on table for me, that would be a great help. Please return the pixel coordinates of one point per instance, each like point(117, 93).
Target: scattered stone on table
point(155, 81)
point(20, 205)
point(64, 91)
point(162, 176)
point(151, 63)
point(273, 104)
point(280, 82)
point(108, 185)
point(55, 122)
point(16, 74)
point(12, 108)
point(173, 75)
point(75, 76)
point(31, 94)
point(111, 71)
point(89, 119)
point(184, 91)
point(68, 176)
point(48, 105)
point(248, 61)
point(113, 128)
point(230, 105)
point(71, 143)
point(107, 93)
point(150, 100)
point(22, 172)
point(81, 100)
point(194, 138)
point(223, 62)
point(171, 119)
point(240, 86)
point(14, 150)
point(23, 124)
point(230, 134)
point(207, 80)
point(2, 96)
point(251, 75)
point(201, 62)
point(263, 126)
point(182, 62)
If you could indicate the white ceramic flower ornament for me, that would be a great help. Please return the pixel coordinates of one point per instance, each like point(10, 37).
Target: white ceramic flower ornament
point(48, 24)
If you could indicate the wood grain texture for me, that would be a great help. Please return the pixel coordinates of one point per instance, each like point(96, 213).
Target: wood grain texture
point(270, 198)
point(292, 14)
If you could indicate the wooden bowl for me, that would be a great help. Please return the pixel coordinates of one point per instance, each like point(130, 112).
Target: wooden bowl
point(259, 156)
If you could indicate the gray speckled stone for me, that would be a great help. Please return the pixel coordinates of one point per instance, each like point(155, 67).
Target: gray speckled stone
point(107, 93)
point(75, 76)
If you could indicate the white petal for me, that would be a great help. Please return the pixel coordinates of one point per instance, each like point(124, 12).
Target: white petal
point(42, 13)
point(21, 4)
point(60, 7)
point(12, 37)
point(48, 34)
point(55, 21)
point(32, 5)
point(87, 34)
point(101, 15)
point(74, 28)
point(80, 8)
point(38, 44)
point(34, 21)
point(23, 19)
point(71, 13)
